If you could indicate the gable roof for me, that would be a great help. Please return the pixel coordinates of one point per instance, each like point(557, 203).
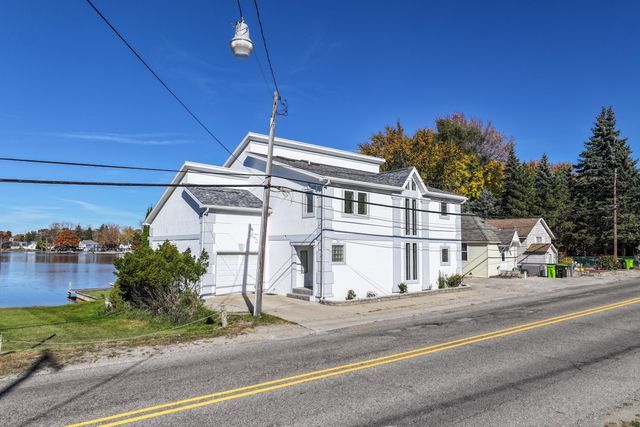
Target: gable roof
point(539, 248)
point(522, 225)
point(228, 197)
point(475, 229)
point(394, 178)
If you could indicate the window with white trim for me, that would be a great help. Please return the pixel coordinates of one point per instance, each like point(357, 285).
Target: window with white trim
point(465, 253)
point(307, 205)
point(355, 203)
point(538, 239)
point(410, 217)
point(444, 256)
point(444, 209)
point(504, 255)
point(337, 253)
point(411, 261)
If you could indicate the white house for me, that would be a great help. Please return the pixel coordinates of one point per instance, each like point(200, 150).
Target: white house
point(486, 250)
point(536, 240)
point(336, 222)
point(88, 245)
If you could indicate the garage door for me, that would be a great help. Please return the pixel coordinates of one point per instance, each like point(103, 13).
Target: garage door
point(231, 275)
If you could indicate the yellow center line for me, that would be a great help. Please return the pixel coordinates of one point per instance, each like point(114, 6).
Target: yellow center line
point(209, 399)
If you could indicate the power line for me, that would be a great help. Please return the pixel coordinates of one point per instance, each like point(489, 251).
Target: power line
point(126, 167)
point(137, 55)
point(122, 184)
point(266, 50)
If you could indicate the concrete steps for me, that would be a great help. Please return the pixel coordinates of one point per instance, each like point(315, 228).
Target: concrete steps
point(304, 294)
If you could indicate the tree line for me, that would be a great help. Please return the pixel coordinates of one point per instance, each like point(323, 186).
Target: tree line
point(66, 235)
point(473, 158)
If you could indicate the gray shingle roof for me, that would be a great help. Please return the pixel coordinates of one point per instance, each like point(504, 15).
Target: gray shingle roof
point(230, 197)
point(396, 177)
point(475, 229)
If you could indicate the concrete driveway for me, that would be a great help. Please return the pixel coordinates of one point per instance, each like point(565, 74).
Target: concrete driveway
point(323, 318)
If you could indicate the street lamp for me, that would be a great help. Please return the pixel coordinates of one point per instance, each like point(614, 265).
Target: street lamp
point(241, 46)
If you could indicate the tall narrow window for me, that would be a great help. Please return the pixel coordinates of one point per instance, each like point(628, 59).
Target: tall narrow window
point(444, 209)
point(414, 217)
point(504, 255)
point(348, 202)
point(362, 203)
point(411, 261)
point(465, 253)
point(444, 256)
point(410, 217)
point(308, 204)
point(414, 268)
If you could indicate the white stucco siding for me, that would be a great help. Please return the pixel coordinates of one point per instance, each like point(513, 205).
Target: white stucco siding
point(280, 267)
point(444, 226)
point(378, 220)
point(368, 266)
point(453, 266)
point(177, 220)
point(235, 232)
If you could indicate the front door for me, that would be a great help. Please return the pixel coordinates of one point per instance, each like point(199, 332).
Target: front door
point(305, 254)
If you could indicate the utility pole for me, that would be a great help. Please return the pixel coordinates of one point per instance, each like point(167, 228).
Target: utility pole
point(262, 250)
point(615, 213)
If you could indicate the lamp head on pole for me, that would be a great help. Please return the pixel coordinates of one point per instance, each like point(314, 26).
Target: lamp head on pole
point(241, 44)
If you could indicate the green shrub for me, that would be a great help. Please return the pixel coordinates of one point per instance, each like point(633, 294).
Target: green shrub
point(402, 287)
point(163, 282)
point(442, 281)
point(351, 294)
point(454, 281)
point(607, 262)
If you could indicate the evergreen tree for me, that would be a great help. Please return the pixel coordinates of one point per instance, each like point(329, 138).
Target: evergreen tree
point(487, 205)
point(515, 197)
point(544, 198)
point(561, 217)
point(604, 154)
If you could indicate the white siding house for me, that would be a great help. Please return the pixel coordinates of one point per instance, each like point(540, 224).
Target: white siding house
point(336, 223)
point(536, 240)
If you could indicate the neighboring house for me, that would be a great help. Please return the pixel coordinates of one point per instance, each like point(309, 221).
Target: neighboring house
point(536, 238)
point(330, 229)
point(124, 247)
point(32, 246)
point(89, 246)
point(16, 245)
point(486, 250)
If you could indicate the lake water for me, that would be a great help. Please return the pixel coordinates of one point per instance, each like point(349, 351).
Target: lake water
point(34, 278)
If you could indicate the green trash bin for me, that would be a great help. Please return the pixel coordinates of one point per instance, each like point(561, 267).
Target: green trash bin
point(628, 263)
point(551, 271)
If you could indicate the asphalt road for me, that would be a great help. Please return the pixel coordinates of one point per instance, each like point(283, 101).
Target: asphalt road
point(576, 357)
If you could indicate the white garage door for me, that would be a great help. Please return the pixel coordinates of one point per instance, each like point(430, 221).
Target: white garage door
point(231, 275)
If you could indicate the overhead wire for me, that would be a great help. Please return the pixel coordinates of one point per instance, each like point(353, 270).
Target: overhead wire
point(162, 82)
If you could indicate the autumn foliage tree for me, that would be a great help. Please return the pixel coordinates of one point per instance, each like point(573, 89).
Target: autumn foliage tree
point(66, 239)
point(108, 235)
point(460, 155)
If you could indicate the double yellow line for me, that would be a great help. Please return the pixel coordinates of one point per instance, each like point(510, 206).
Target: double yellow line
point(236, 393)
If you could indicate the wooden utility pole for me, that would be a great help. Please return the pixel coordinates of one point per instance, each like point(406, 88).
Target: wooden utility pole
point(615, 213)
point(262, 249)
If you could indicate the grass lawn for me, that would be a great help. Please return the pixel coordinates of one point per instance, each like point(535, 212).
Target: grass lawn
point(73, 330)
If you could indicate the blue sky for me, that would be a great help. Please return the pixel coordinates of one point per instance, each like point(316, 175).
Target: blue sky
point(71, 91)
